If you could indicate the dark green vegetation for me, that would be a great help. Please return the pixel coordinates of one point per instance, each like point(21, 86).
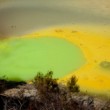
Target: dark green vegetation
point(46, 83)
point(72, 86)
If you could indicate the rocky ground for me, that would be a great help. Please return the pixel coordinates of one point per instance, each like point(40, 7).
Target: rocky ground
point(27, 97)
point(45, 93)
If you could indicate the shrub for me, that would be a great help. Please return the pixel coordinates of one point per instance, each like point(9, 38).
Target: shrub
point(71, 84)
point(46, 83)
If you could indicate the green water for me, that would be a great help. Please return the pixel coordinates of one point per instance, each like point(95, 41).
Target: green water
point(21, 59)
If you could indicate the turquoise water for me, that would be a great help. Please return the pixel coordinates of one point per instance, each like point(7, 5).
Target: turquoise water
point(21, 59)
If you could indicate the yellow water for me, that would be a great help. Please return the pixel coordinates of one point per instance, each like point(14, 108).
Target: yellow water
point(94, 41)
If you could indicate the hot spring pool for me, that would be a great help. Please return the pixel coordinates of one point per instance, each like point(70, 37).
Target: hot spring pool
point(22, 58)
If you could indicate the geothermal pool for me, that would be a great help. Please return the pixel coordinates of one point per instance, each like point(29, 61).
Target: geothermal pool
point(84, 23)
point(22, 58)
